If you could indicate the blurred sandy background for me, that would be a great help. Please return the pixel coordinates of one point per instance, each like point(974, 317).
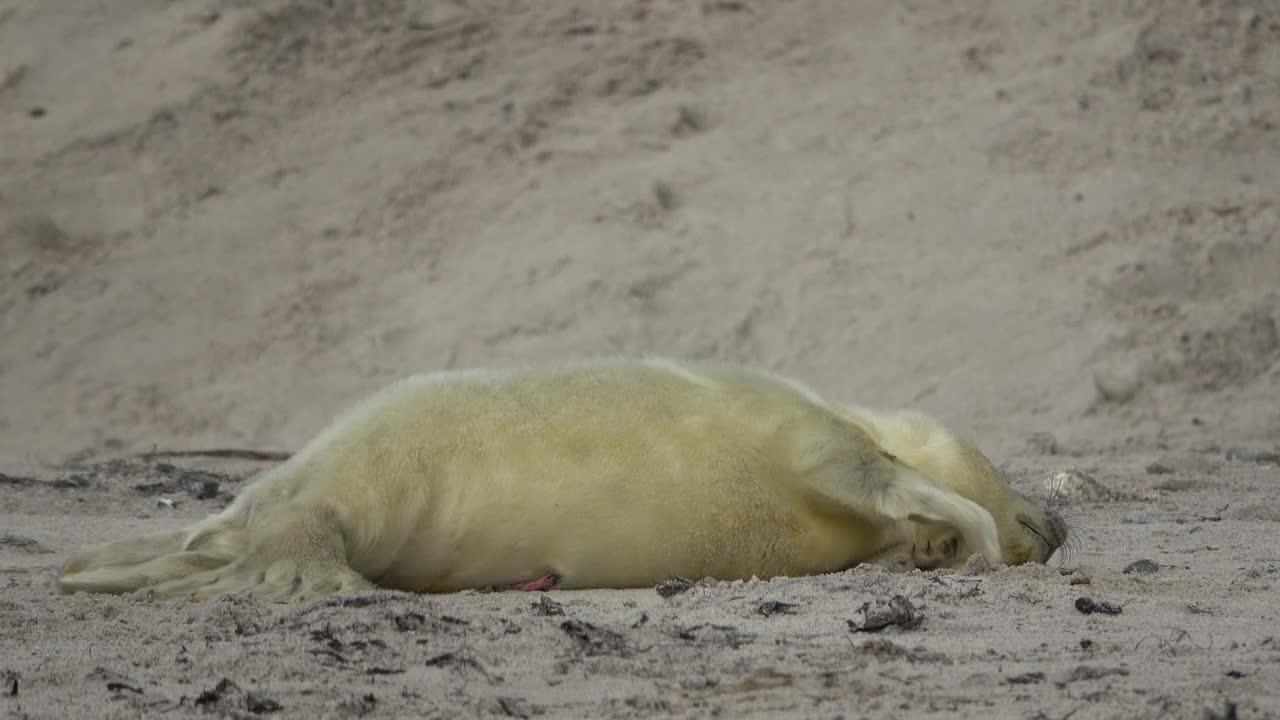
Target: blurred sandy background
point(1053, 225)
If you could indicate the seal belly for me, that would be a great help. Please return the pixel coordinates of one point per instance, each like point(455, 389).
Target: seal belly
point(601, 502)
point(617, 476)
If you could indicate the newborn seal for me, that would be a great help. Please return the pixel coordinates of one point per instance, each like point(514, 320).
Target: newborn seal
point(610, 473)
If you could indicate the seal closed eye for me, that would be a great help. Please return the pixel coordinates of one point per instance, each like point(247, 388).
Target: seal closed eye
point(608, 473)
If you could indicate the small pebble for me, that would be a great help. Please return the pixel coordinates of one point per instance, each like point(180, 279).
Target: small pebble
point(1141, 567)
point(1117, 382)
point(1137, 517)
point(977, 565)
point(165, 503)
point(1076, 485)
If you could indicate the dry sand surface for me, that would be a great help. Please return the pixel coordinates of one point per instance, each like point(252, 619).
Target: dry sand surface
point(1054, 225)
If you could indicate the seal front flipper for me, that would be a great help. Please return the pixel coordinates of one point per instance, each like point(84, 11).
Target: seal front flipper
point(856, 474)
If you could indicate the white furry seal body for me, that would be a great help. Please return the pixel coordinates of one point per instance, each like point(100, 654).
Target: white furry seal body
point(611, 473)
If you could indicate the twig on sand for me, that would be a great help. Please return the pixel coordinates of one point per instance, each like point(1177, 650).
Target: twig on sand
point(236, 453)
point(1042, 716)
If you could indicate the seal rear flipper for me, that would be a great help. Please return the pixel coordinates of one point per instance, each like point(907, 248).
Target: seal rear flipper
point(129, 551)
point(123, 566)
point(120, 579)
point(294, 553)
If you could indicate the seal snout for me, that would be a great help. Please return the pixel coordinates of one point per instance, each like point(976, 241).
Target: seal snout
point(1052, 531)
point(1057, 529)
point(1055, 532)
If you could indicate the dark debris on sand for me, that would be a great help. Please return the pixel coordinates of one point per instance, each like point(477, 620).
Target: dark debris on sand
point(149, 478)
point(1089, 606)
point(673, 586)
point(200, 484)
point(228, 697)
point(545, 606)
point(775, 607)
point(462, 662)
point(877, 615)
point(715, 635)
point(595, 640)
point(23, 543)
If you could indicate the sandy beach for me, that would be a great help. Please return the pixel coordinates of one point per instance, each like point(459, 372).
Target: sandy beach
point(1053, 226)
